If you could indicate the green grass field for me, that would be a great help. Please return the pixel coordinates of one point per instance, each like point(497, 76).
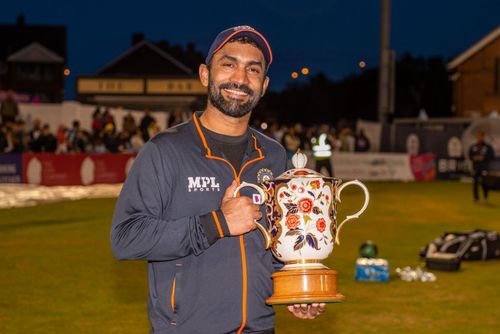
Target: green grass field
point(58, 274)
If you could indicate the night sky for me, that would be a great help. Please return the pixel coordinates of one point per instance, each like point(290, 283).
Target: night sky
point(329, 36)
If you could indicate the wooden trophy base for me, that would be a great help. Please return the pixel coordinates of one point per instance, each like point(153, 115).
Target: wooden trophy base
point(298, 286)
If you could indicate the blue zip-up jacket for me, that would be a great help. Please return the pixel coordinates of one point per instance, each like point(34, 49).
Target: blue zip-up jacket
point(201, 280)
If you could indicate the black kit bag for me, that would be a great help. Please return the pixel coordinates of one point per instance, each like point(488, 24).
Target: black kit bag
point(442, 261)
point(470, 245)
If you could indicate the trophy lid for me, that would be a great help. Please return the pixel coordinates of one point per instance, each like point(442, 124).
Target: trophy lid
point(299, 162)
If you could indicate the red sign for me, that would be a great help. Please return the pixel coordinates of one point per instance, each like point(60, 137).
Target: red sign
point(75, 169)
point(423, 166)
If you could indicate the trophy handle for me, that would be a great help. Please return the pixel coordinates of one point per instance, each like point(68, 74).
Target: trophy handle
point(357, 214)
point(259, 200)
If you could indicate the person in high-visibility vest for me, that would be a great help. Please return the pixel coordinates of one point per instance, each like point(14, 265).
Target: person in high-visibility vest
point(322, 147)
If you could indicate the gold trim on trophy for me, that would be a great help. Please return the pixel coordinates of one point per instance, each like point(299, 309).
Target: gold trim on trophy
point(303, 261)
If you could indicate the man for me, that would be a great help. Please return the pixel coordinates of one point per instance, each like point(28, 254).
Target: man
point(46, 141)
point(9, 111)
point(481, 154)
point(146, 121)
point(291, 142)
point(34, 135)
point(208, 269)
point(362, 143)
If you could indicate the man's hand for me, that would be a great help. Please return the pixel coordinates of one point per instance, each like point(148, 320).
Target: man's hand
point(307, 311)
point(240, 212)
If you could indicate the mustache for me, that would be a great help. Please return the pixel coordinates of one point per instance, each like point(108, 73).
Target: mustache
point(234, 86)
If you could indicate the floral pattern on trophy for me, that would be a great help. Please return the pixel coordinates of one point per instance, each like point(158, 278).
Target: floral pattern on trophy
point(304, 207)
point(274, 213)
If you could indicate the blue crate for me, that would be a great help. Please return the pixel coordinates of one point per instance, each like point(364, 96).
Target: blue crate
point(372, 270)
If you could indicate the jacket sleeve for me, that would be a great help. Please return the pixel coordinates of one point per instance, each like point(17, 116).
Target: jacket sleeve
point(138, 230)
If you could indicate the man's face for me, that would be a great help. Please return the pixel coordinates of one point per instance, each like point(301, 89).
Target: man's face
point(236, 79)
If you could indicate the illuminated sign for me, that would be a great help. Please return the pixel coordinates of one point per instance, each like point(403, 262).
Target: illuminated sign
point(175, 86)
point(110, 86)
point(136, 86)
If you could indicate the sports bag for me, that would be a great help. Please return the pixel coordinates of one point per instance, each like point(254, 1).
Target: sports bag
point(469, 245)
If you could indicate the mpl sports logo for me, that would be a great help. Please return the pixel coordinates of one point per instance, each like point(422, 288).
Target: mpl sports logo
point(202, 183)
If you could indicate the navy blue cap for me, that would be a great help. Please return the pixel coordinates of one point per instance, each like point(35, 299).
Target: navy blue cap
point(241, 31)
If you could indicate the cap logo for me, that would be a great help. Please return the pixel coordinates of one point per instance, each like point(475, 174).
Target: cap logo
point(243, 28)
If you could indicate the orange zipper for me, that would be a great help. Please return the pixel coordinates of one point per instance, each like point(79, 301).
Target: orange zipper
point(242, 240)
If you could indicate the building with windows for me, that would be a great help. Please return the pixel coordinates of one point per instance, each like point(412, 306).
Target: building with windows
point(32, 60)
point(476, 77)
point(149, 75)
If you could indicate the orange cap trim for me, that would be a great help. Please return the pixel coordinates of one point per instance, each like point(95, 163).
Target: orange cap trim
point(224, 42)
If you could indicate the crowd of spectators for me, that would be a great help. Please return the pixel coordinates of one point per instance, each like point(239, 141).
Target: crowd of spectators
point(296, 136)
point(101, 136)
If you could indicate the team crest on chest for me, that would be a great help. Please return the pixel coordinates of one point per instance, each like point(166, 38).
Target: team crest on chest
point(264, 174)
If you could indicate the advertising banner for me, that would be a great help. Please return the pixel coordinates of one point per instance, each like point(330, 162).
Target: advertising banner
point(372, 166)
point(423, 167)
point(11, 168)
point(105, 168)
point(75, 169)
point(452, 168)
point(384, 166)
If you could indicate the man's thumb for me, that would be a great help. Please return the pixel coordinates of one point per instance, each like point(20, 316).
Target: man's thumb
point(230, 190)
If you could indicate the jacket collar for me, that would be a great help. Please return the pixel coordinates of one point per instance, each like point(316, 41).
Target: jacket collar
point(254, 148)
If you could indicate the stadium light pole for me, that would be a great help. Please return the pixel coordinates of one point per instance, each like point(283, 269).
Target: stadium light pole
point(387, 67)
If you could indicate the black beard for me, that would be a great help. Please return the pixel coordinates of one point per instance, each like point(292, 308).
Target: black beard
point(232, 107)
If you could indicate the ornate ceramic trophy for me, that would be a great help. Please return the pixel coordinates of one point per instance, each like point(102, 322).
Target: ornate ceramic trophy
point(301, 210)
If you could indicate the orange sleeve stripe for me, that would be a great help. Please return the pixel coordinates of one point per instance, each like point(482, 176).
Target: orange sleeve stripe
point(216, 219)
point(172, 297)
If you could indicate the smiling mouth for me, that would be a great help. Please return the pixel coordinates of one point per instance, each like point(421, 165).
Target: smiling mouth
point(236, 93)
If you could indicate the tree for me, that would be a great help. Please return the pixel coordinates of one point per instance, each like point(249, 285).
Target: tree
point(420, 83)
